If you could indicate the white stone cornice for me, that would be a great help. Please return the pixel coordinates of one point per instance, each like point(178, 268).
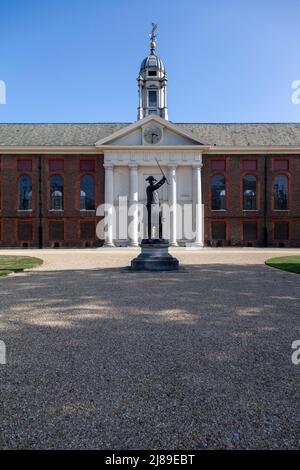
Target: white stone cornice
point(148, 158)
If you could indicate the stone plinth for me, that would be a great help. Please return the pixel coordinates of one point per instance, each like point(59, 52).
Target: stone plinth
point(154, 256)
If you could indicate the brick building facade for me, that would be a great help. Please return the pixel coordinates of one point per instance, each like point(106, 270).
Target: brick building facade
point(241, 180)
point(40, 225)
point(264, 224)
point(232, 224)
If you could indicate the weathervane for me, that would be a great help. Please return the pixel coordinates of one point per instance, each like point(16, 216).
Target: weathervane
point(153, 37)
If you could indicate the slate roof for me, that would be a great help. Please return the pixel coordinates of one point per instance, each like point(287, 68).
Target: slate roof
point(88, 134)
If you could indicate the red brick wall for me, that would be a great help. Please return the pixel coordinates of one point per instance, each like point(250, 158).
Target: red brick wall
point(10, 216)
point(265, 215)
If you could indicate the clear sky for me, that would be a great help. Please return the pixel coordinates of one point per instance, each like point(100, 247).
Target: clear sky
point(77, 60)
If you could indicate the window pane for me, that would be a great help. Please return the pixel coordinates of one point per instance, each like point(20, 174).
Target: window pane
point(281, 165)
point(56, 230)
point(249, 231)
point(281, 192)
point(87, 231)
point(56, 192)
point(87, 193)
point(249, 192)
point(218, 165)
point(218, 231)
point(25, 231)
point(250, 165)
point(218, 193)
point(25, 193)
point(87, 165)
point(56, 165)
point(152, 98)
point(24, 165)
point(281, 231)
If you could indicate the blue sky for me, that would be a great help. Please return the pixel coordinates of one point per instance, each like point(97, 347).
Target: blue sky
point(77, 60)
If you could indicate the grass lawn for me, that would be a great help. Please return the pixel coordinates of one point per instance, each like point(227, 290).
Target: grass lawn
point(14, 264)
point(287, 263)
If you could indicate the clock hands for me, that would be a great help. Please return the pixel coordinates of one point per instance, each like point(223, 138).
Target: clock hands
point(154, 134)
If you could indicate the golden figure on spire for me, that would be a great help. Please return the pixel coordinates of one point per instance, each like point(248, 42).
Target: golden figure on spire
point(153, 37)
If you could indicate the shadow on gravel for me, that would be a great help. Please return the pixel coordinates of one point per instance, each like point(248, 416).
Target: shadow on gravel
point(106, 359)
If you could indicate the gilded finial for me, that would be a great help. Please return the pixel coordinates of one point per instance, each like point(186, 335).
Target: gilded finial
point(152, 38)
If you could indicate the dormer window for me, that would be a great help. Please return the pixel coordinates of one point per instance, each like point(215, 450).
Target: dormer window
point(152, 73)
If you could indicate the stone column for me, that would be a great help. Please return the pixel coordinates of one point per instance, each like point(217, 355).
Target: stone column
point(134, 235)
point(109, 204)
point(198, 205)
point(173, 205)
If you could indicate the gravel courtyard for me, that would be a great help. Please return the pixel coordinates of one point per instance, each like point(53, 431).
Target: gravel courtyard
point(99, 358)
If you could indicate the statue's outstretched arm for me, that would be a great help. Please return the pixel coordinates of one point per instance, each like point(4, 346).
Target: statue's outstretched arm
point(159, 184)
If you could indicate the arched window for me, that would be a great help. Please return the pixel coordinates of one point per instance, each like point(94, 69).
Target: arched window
point(87, 193)
point(56, 192)
point(281, 195)
point(249, 192)
point(218, 193)
point(25, 193)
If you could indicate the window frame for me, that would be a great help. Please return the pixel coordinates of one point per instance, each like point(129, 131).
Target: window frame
point(80, 189)
point(82, 220)
point(50, 196)
point(257, 192)
point(62, 220)
point(274, 176)
point(152, 106)
point(22, 159)
point(249, 220)
point(26, 221)
point(22, 175)
point(211, 192)
point(211, 220)
point(290, 226)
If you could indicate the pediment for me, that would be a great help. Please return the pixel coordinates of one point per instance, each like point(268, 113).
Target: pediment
point(134, 135)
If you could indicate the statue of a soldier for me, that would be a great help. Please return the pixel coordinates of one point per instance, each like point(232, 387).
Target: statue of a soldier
point(153, 207)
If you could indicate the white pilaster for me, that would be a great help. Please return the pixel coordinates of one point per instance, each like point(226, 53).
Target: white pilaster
point(199, 216)
point(109, 204)
point(134, 236)
point(173, 205)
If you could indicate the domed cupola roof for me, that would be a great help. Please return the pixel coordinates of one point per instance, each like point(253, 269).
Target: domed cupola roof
point(152, 61)
point(152, 83)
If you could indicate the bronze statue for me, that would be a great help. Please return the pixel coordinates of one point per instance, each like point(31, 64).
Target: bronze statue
point(153, 207)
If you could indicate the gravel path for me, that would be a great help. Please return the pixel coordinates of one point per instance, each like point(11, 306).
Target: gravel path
point(99, 358)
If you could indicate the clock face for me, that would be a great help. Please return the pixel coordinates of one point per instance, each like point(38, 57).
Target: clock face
point(152, 134)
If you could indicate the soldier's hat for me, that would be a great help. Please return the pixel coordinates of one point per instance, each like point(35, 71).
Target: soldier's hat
point(151, 178)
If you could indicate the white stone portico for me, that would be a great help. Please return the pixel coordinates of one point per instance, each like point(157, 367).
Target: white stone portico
point(129, 159)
